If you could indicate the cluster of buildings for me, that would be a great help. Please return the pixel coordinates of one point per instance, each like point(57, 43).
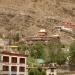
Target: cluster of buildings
point(15, 63)
point(42, 36)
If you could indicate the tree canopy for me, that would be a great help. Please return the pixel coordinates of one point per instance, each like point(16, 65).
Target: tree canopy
point(37, 50)
point(72, 53)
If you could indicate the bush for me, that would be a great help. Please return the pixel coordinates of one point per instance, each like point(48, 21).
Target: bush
point(72, 53)
point(37, 71)
point(34, 72)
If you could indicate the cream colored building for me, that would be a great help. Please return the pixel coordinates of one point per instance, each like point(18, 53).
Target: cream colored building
point(13, 63)
point(51, 71)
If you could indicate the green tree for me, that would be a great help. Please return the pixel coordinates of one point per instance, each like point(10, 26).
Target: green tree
point(72, 53)
point(37, 50)
point(61, 57)
point(16, 37)
point(56, 55)
point(34, 72)
point(52, 56)
point(22, 48)
point(37, 71)
point(43, 72)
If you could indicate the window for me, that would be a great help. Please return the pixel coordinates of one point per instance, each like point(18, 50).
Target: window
point(22, 60)
point(51, 74)
point(22, 69)
point(5, 68)
point(52, 70)
point(0, 57)
point(14, 68)
point(5, 59)
point(4, 74)
point(14, 60)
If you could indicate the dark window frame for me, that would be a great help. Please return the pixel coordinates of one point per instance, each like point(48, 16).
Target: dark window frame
point(14, 68)
point(13, 59)
point(52, 69)
point(5, 58)
point(21, 69)
point(5, 68)
point(22, 60)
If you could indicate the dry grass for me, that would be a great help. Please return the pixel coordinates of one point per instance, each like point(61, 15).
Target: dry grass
point(28, 16)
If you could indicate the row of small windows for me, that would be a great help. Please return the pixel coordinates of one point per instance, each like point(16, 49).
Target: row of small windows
point(12, 74)
point(13, 59)
point(14, 68)
point(52, 70)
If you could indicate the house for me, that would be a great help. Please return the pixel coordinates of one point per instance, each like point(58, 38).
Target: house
point(12, 63)
point(51, 69)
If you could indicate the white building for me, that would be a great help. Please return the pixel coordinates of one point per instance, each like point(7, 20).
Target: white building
point(51, 71)
point(12, 63)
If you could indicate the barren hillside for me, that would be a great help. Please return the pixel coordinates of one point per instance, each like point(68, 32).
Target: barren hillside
point(28, 16)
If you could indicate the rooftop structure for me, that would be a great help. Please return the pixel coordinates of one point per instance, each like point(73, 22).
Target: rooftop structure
point(42, 36)
point(50, 68)
point(51, 71)
point(42, 32)
point(69, 24)
point(64, 28)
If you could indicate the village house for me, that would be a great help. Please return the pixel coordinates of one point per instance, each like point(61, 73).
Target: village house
point(51, 69)
point(12, 63)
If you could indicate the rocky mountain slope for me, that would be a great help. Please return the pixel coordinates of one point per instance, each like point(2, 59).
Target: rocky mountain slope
point(28, 16)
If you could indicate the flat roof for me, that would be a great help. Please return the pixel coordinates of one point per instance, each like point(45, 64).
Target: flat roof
point(13, 54)
point(41, 38)
point(42, 30)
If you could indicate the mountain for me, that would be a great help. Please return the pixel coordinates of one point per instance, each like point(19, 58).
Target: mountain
point(29, 16)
